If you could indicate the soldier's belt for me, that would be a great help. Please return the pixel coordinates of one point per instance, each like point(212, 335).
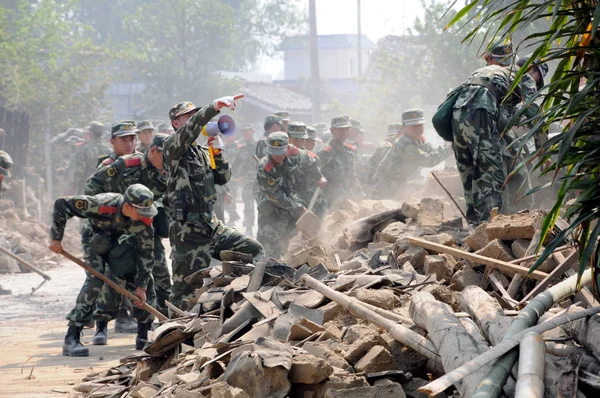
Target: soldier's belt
point(199, 208)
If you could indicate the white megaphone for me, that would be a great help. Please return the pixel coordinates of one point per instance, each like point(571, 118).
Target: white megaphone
point(224, 125)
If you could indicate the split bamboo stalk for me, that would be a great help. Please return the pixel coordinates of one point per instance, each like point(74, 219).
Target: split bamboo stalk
point(476, 258)
point(556, 292)
point(491, 385)
point(532, 359)
point(392, 316)
point(400, 333)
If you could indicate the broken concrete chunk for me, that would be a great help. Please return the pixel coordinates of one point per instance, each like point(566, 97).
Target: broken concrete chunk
point(382, 298)
point(361, 346)
point(414, 255)
point(355, 332)
point(442, 239)
point(496, 249)
point(407, 360)
point(410, 210)
point(224, 390)
point(466, 276)
point(437, 265)
point(519, 249)
point(431, 213)
point(323, 351)
point(246, 371)
point(479, 238)
point(313, 256)
point(377, 359)
point(382, 391)
point(514, 226)
point(308, 369)
point(393, 232)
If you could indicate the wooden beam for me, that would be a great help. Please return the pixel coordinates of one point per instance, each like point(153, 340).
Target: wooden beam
point(553, 276)
point(476, 258)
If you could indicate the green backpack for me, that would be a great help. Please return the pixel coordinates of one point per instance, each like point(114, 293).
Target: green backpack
point(442, 118)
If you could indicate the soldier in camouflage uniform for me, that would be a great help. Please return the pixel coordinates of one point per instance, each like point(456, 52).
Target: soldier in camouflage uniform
point(279, 206)
point(479, 118)
point(356, 137)
point(272, 123)
point(312, 142)
point(308, 173)
point(145, 135)
point(323, 132)
point(285, 120)
point(146, 169)
point(165, 128)
point(114, 219)
point(196, 234)
point(85, 159)
point(6, 163)
point(123, 140)
point(393, 132)
point(244, 174)
point(338, 159)
point(408, 155)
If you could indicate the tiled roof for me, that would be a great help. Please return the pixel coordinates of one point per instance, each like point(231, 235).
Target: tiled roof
point(276, 97)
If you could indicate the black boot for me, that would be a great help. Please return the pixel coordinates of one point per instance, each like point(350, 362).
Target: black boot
point(72, 346)
point(125, 323)
point(101, 336)
point(142, 335)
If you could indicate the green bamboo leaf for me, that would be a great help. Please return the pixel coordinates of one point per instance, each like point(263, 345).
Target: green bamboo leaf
point(596, 20)
point(464, 11)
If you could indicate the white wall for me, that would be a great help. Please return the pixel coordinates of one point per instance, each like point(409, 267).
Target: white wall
point(333, 63)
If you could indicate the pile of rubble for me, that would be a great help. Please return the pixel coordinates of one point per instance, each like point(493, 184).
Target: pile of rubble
point(389, 297)
point(25, 236)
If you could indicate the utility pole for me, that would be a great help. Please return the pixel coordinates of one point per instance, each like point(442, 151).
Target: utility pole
point(314, 62)
point(48, 159)
point(359, 39)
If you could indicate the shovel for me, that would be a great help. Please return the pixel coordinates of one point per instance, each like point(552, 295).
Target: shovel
point(309, 224)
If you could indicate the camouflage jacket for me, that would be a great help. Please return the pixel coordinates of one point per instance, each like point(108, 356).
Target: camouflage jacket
point(275, 184)
point(378, 156)
point(245, 163)
point(529, 89)
point(126, 171)
point(308, 172)
point(189, 176)
point(405, 160)
point(84, 162)
point(105, 215)
point(261, 147)
point(338, 166)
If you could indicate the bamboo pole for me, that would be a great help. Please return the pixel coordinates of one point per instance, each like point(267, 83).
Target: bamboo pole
point(400, 333)
point(476, 258)
point(529, 315)
point(532, 359)
point(114, 285)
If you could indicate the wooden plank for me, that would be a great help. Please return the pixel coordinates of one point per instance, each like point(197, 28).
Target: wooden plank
point(553, 276)
point(476, 258)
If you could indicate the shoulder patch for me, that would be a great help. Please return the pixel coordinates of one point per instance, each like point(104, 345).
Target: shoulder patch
point(311, 154)
point(292, 150)
point(108, 161)
point(133, 162)
point(107, 209)
point(328, 148)
point(81, 204)
point(270, 181)
point(349, 146)
point(269, 165)
point(111, 171)
point(146, 220)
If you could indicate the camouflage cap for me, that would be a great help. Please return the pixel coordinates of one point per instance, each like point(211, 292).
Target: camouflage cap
point(340, 122)
point(413, 117)
point(312, 133)
point(284, 115)
point(142, 199)
point(145, 125)
point(394, 128)
point(297, 130)
point(181, 109)
point(6, 163)
point(355, 123)
point(163, 127)
point(272, 120)
point(320, 127)
point(502, 52)
point(277, 143)
point(123, 129)
point(96, 128)
point(538, 64)
point(159, 141)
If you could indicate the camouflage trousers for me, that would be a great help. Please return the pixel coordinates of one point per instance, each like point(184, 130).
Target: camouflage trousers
point(109, 302)
point(480, 160)
point(193, 246)
point(92, 289)
point(221, 207)
point(248, 200)
point(275, 229)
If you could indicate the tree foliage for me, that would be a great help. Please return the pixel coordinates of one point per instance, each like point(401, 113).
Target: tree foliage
point(571, 100)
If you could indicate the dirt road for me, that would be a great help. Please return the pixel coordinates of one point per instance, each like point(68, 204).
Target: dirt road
point(32, 329)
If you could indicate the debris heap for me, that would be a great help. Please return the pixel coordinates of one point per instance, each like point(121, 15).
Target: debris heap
point(388, 297)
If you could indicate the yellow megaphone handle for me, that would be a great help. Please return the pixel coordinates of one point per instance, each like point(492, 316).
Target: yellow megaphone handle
point(211, 153)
